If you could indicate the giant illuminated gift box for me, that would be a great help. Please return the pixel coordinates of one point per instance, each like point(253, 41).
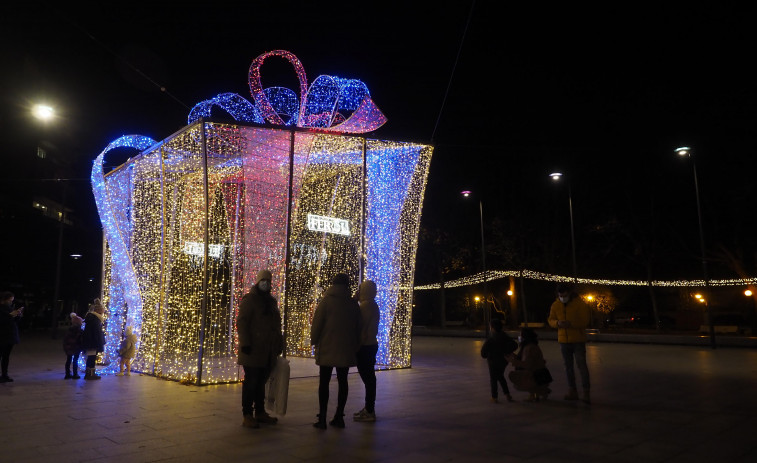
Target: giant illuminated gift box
point(289, 185)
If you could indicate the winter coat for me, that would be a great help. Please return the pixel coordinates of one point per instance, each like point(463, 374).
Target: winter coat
point(128, 347)
point(259, 328)
point(72, 340)
point(93, 337)
point(529, 359)
point(8, 326)
point(577, 312)
point(335, 332)
point(369, 314)
point(496, 347)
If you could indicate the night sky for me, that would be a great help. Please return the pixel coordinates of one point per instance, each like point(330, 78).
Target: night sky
point(604, 94)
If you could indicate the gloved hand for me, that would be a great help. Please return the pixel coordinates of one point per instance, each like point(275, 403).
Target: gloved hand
point(247, 350)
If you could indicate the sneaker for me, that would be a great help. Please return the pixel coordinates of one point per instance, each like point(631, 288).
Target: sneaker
point(338, 421)
point(494, 400)
point(320, 424)
point(250, 422)
point(265, 418)
point(128, 373)
point(365, 417)
point(359, 413)
point(571, 395)
point(119, 374)
point(7, 379)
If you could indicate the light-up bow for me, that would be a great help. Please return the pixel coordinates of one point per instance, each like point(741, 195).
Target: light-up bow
point(329, 103)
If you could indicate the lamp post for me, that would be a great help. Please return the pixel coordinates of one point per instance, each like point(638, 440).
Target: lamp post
point(45, 114)
point(557, 176)
point(487, 311)
point(685, 151)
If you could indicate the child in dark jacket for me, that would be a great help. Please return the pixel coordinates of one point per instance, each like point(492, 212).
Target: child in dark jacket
point(72, 346)
point(494, 350)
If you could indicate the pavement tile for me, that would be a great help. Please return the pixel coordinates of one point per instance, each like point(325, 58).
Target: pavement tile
point(665, 403)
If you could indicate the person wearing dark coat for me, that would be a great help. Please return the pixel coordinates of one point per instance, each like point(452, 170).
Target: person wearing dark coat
point(260, 343)
point(72, 346)
point(93, 338)
point(8, 331)
point(494, 350)
point(335, 333)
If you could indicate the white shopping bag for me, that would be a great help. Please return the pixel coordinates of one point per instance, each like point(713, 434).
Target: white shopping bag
point(277, 387)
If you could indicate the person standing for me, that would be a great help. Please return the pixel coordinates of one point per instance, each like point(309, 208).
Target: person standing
point(494, 350)
point(571, 316)
point(72, 346)
point(126, 352)
point(8, 331)
point(366, 354)
point(93, 338)
point(335, 333)
point(260, 342)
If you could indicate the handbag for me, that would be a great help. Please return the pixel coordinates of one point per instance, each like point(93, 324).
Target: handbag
point(542, 376)
point(277, 387)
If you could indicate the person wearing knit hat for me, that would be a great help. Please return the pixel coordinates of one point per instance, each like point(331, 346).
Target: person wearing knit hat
point(260, 343)
point(72, 346)
point(263, 275)
point(335, 333)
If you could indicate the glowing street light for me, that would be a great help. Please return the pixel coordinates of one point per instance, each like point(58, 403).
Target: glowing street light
point(557, 176)
point(43, 112)
point(685, 151)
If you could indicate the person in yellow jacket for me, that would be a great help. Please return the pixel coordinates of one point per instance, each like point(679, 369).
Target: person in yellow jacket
point(571, 316)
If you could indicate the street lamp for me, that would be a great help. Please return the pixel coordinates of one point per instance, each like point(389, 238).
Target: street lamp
point(487, 314)
point(557, 176)
point(685, 151)
point(45, 114)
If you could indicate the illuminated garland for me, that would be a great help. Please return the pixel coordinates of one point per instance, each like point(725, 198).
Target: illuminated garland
point(329, 103)
point(112, 216)
point(195, 230)
point(492, 275)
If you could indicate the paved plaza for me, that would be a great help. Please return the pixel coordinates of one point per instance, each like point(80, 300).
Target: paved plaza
point(651, 403)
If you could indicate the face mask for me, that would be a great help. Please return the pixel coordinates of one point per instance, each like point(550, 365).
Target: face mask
point(564, 299)
point(264, 286)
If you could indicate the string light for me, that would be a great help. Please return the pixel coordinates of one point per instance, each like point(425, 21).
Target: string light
point(492, 275)
point(185, 234)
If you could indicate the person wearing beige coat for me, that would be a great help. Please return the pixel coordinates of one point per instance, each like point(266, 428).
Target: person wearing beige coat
point(370, 316)
point(335, 334)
